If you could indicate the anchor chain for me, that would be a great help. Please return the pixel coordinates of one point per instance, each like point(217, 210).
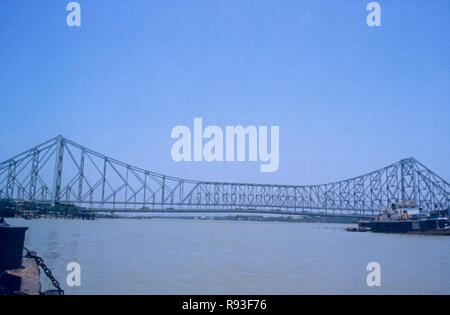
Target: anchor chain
point(47, 272)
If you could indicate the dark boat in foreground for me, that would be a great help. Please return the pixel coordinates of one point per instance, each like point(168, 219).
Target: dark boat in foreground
point(409, 220)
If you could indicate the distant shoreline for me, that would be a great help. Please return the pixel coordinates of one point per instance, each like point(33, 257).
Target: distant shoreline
point(251, 218)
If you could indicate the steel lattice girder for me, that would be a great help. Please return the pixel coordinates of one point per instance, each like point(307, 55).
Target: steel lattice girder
point(89, 179)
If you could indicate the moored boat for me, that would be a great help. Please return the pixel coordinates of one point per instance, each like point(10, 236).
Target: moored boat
point(409, 220)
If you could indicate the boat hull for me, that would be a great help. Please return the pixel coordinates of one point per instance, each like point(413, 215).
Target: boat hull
point(439, 226)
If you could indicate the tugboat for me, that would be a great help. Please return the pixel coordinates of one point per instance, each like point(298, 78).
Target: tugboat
point(408, 219)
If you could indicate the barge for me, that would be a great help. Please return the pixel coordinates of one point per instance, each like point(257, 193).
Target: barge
point(409, 220)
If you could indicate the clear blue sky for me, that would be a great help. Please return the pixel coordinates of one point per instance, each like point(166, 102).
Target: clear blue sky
point(348, 98)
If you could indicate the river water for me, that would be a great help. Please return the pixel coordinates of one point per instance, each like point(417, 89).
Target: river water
point(130, 256)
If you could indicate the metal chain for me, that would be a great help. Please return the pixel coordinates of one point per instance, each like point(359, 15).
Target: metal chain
point(47, 272)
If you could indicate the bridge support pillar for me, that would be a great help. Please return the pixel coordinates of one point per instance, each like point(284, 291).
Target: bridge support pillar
point(58, 170)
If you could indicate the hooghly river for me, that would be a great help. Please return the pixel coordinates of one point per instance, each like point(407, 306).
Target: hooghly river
point(130, 256)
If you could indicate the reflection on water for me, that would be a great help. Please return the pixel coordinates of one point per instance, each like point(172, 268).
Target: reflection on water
point(217, 257)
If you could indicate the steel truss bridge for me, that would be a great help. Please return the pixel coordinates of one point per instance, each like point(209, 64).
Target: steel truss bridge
point(62, 171)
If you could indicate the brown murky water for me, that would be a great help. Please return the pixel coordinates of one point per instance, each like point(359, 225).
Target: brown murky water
point(218, 257)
